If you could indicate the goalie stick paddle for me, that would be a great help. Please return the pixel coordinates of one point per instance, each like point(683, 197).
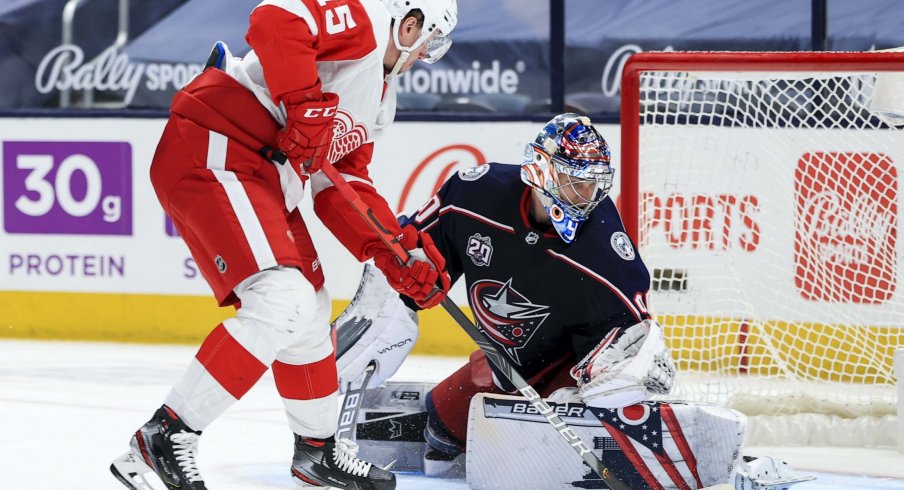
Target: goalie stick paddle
point(490, 350)
point(348, 416)
point(353, 327)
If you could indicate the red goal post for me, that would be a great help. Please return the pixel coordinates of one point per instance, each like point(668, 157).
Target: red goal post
point(763, 190)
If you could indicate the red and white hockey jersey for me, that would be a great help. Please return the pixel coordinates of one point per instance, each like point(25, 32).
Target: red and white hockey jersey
point(339, 44)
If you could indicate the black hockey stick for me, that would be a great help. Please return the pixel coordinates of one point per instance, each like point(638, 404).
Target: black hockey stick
point(348, 416)
point(490, 350)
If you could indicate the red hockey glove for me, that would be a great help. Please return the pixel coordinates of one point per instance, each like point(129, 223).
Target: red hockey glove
point(309, 128)
point(424, 278)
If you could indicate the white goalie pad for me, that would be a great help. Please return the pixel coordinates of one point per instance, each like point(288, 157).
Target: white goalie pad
point(375, 326)
point(510, 445)
point(627, 367)
point(668, 444)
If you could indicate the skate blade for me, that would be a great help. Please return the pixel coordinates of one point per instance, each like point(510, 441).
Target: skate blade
point(130, 470)
point(303, 481)
point(301, 484)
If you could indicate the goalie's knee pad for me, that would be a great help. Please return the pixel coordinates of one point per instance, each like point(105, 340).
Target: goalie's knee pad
point(279, 308)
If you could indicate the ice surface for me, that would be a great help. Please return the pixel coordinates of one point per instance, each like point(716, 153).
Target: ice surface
point(68, 408)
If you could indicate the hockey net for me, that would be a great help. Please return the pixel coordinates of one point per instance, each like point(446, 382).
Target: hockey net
point(764, 191)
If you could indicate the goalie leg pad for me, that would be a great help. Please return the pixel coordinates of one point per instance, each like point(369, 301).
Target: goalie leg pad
point(447, 403)
point(675, 445)
point(376, 326)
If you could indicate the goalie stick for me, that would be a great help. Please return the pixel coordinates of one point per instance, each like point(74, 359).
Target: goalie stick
point(348, 416)
point(354, 327)
point(490, 350)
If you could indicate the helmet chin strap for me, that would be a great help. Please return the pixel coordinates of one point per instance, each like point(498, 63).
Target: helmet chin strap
point(403, 57)
point(405, 52)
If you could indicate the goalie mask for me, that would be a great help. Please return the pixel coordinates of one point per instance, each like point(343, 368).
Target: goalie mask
point(440, 17)
point(568, 165)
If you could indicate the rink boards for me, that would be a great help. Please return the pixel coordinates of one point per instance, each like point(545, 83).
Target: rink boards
point(87, 252)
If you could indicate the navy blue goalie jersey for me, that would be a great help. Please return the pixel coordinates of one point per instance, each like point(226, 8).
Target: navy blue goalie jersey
point(537, 297)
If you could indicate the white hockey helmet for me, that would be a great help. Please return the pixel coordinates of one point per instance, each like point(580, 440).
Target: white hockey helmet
point(440, 18)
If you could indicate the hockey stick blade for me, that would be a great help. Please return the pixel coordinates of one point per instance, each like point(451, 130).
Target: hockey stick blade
point(490, 350)
point(348, 416)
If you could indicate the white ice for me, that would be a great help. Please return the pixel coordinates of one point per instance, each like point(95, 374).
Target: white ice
point(67, 409)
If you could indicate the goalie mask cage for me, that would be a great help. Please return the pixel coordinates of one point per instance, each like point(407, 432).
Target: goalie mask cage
point(764, 193)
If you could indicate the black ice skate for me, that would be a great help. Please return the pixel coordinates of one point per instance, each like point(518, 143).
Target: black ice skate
point(164, 446)
point(331, 463)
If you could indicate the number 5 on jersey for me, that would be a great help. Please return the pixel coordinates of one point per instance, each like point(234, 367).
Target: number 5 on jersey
point(339, 18)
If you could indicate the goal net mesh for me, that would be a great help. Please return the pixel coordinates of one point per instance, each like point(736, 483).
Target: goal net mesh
point(768, 217)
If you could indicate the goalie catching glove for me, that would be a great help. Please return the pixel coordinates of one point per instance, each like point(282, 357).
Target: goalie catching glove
point(376, 326)
point(627, 367)
point(424, 278)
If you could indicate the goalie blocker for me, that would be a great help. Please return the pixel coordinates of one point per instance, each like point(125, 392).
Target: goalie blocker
point(667, 445)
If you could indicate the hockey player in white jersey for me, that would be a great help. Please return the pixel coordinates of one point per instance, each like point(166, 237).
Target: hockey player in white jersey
point(243, 141)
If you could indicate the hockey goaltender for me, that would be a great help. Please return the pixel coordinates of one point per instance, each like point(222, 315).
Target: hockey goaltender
point(558, 287)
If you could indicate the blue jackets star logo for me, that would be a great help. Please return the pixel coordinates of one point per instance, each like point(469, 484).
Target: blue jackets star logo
point(509, 318)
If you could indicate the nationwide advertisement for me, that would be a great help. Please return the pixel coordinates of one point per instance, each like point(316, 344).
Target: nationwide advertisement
point(500, 48)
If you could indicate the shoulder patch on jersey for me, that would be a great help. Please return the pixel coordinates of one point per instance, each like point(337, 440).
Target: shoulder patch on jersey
point(474, 173)
point(480, 249)
point(622, 245)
